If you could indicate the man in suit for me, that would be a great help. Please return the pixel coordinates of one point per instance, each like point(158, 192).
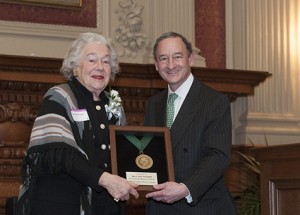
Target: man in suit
point(200, 136)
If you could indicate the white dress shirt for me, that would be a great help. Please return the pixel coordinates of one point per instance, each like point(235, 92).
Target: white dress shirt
point(182, 91)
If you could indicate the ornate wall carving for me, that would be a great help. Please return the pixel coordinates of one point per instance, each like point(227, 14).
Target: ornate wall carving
point(129, 32)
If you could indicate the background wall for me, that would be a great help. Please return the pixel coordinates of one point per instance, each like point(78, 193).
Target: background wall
point(47, 31)
point(265, 35)
point(239, 34)
point(84, 16)
point(210, 31)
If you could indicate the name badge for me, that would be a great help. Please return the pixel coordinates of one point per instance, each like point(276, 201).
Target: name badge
point(80, 115)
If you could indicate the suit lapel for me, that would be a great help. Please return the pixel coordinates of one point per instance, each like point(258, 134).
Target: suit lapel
point(160, 119)
point(186, 113)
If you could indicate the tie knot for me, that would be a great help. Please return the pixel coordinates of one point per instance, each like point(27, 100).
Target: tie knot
point(172, 98)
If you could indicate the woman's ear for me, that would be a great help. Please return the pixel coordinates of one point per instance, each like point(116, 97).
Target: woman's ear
point(75, 71)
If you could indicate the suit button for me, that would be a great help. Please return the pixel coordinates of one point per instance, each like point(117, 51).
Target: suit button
point(102, 126)
point(103, 146)
point(105, 165)
point(98, 107)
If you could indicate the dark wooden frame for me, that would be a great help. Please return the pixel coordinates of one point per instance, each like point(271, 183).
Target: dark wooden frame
point(48, 3)
point(114, 130)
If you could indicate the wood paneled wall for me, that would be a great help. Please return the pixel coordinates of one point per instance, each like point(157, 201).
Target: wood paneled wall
point(280, 179)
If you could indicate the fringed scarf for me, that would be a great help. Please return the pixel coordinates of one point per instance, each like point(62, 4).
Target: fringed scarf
point(52, 137)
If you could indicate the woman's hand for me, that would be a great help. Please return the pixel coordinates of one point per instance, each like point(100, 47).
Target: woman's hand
point(118, 187)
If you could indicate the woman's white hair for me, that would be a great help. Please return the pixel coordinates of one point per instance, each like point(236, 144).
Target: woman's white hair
point(74, 54)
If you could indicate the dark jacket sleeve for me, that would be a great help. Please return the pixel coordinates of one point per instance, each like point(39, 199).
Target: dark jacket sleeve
point(86, 173)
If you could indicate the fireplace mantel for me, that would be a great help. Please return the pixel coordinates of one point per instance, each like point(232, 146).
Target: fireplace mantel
point(234, 83)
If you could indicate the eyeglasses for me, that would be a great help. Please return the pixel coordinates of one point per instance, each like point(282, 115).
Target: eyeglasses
point(93, 59)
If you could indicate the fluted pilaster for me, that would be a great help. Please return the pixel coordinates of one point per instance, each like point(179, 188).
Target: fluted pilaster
point(265, 37)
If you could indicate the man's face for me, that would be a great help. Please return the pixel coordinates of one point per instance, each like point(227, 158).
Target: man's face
point(172, 61)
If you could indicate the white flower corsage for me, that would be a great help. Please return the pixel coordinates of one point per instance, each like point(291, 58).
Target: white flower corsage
point(114, 107)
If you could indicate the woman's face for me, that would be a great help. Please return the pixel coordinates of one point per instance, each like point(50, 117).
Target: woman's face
point(95, 70)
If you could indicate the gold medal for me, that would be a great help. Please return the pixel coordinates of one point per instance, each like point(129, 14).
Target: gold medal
point(144, 161)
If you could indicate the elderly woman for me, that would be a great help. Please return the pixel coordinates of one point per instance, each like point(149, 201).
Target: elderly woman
point(67, 167)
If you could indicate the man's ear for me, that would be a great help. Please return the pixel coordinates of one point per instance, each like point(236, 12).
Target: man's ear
point(156, 65)
point(192, 59)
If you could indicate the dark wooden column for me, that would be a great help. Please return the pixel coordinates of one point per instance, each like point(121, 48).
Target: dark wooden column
point(280, 179)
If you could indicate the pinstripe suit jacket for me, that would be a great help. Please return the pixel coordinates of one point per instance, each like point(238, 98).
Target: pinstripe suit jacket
point(201, 146)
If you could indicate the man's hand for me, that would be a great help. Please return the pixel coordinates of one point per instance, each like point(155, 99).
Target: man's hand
point(118, 187)
point(168, 192)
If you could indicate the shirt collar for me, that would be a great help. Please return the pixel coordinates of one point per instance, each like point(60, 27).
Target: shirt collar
point(183, 90)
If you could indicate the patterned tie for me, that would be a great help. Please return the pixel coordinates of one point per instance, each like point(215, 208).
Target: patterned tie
point(170, 109)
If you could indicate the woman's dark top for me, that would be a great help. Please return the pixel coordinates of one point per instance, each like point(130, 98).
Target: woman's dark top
point(66, 158)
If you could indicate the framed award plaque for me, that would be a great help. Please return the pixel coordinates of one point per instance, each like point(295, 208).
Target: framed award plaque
point(142, 154)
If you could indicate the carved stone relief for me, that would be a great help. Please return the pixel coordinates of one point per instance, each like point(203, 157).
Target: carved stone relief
point(129, 33)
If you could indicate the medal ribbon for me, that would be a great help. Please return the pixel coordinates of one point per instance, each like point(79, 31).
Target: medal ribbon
point(141, 144)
